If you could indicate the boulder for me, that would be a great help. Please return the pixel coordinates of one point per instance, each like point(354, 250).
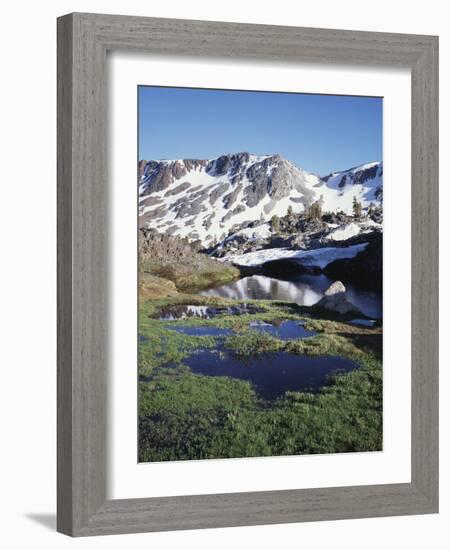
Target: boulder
point(336, 288)
point(335, 300)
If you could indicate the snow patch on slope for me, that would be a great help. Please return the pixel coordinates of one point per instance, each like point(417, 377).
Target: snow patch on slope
point(344, 232)
point(319, 257)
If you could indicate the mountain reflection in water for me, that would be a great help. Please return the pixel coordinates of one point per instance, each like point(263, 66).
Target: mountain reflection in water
point(305, 290)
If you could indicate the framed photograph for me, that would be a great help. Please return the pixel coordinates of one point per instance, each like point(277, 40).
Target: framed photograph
point(247, 274)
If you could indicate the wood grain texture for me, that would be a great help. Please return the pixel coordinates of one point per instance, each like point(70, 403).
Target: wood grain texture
point(82, 264)
point(64, 250)
point(425, 272)
point(83, 40)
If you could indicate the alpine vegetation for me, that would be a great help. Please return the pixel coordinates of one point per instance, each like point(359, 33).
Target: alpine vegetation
point(260, 293)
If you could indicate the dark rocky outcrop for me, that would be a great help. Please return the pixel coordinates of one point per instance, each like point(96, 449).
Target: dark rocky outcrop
point(141, 167)
point(366, 174)
point(194, 164)
point(230, 164)
point(365, 269)
point(151, 201)
point(343, 181)
point(187, 209)
point(159, 175)
point(178, 189)
point(230, 198)
point(218, 191)
point(238, 210)
point(158, 212)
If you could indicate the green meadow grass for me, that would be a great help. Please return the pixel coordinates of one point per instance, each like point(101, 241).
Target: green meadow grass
point(187, 416)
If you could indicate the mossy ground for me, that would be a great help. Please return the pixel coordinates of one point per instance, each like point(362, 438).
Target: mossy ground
point(187, 279)
point(186, 416)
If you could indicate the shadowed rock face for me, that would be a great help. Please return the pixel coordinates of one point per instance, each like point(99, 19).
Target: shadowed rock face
point(364, 175)
point(194, 164)
point(159, 175)
point(141, 167)
point(343, 181)
point(365, 270)
point(227, 164)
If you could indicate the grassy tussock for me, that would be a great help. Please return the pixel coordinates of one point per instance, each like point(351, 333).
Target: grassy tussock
point(192, 280)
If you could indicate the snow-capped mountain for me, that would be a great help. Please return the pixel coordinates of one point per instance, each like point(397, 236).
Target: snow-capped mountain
point(364, 182)
point(207, 199)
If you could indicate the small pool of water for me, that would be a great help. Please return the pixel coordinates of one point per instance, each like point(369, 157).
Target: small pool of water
point(286, 330)
point(363, 322)
point(200, 331)
point(272, 374)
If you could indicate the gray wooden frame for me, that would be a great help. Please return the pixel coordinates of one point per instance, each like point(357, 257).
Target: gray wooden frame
point(83, 40)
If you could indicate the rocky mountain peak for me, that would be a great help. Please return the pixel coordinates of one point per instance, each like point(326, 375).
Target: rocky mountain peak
point(204, 199)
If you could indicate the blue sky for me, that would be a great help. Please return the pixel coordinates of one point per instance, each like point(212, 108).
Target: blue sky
point(319, 133)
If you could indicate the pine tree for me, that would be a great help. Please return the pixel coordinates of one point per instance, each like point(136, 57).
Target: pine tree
point(275, 223)
point(357, 208)
point(290, 220)
point(315, 211)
